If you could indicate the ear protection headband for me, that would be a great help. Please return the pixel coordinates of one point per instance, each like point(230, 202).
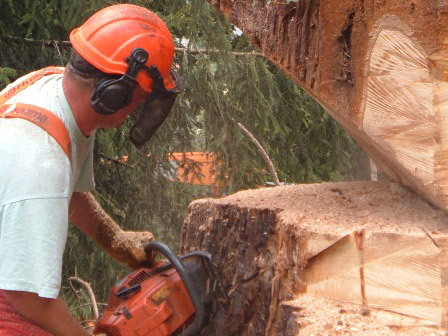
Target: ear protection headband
point(112, 93)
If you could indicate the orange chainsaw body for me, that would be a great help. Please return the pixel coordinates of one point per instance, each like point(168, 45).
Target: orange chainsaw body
point(160, 307)
point(174, 298)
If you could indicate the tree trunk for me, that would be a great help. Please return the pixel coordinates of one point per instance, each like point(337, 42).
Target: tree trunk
point(378, 67)
point(285, 253)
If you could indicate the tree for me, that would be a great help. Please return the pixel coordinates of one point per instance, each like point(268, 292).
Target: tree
point(222, 88)
point(377, 67)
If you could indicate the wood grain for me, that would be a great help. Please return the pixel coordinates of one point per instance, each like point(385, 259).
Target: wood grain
point(379, 68)
point(360, 243)
point(402, 273)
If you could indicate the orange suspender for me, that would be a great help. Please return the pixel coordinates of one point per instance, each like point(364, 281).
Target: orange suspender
point(37, 115)
point(42, 118)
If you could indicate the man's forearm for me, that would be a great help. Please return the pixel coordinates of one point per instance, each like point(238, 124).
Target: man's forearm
point(124, 246)
point(89, 217)
point(50, 314)
point(86, 213)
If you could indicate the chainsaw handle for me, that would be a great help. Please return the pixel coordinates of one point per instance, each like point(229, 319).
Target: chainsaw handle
point(200, 316)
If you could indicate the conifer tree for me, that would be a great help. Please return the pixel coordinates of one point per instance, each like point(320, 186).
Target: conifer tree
point(224, 85)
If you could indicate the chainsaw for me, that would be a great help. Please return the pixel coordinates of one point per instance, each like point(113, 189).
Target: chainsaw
point(172, 298)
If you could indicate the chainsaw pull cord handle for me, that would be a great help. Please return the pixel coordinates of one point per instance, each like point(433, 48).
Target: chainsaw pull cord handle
point(200, 316)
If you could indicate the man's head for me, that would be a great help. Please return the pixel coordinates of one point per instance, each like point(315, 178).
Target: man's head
point(128, 51)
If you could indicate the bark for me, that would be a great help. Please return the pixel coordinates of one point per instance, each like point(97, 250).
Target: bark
point(378, 67)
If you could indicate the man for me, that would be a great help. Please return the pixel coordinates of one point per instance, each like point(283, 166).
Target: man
point(122, 57)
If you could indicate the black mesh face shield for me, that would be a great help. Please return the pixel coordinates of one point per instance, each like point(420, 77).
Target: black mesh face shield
point(156, 108)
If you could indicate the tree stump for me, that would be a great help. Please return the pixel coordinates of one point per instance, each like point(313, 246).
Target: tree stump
point(349, 247)
point(379, 68)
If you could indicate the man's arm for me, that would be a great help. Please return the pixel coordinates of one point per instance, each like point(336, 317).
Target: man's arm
point(50, 314)
point(85, 212)
point(124, 246)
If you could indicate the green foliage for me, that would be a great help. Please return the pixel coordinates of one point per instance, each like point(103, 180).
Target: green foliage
point(221, 89)
point(79, 302)
point(5, 75)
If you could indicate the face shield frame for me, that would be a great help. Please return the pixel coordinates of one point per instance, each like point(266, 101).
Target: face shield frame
point(156, 108)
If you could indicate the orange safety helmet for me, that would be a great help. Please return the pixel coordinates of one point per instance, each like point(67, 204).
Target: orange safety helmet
point(108, 38)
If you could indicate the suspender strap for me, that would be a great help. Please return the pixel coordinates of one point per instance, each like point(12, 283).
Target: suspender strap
point(43, 118)
point(37, 115)
point(34, 77)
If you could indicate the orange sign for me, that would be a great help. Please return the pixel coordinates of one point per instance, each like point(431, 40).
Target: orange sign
point(195, 167)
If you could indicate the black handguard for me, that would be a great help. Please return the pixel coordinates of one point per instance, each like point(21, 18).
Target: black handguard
point(156, 109)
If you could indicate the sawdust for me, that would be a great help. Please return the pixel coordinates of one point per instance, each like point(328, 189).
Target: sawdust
point(323, 317)
point(276, 230)
point(337, 208)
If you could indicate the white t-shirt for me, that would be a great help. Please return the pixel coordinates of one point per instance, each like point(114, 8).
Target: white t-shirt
point(36, 184)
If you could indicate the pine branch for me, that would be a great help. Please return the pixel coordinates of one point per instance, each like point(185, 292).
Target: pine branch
point(47, 43)
point(91, 295)
point(195, 51)
point(85, 305)
point(116, 161)
point(198, 51)
point(263, 154)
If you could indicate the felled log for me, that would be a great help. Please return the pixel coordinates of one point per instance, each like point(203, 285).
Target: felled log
point(372, 244)
point(378, 67)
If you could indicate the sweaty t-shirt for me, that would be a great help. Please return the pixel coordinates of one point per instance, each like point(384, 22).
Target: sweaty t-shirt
point(37, 180)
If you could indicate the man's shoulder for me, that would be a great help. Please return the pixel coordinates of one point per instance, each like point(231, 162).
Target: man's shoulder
point(42, 93)
point(20, 137)
point(40, 103)
point(28, 83)
point(32, 164)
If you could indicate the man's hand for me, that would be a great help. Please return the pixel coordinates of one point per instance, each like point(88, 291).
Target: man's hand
point(124, 246)
point(127, 246)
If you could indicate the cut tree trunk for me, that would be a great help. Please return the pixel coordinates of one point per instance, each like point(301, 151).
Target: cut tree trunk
point(378, 67)
point(287, 251)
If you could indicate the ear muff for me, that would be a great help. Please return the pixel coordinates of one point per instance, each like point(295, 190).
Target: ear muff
point(111, 94)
